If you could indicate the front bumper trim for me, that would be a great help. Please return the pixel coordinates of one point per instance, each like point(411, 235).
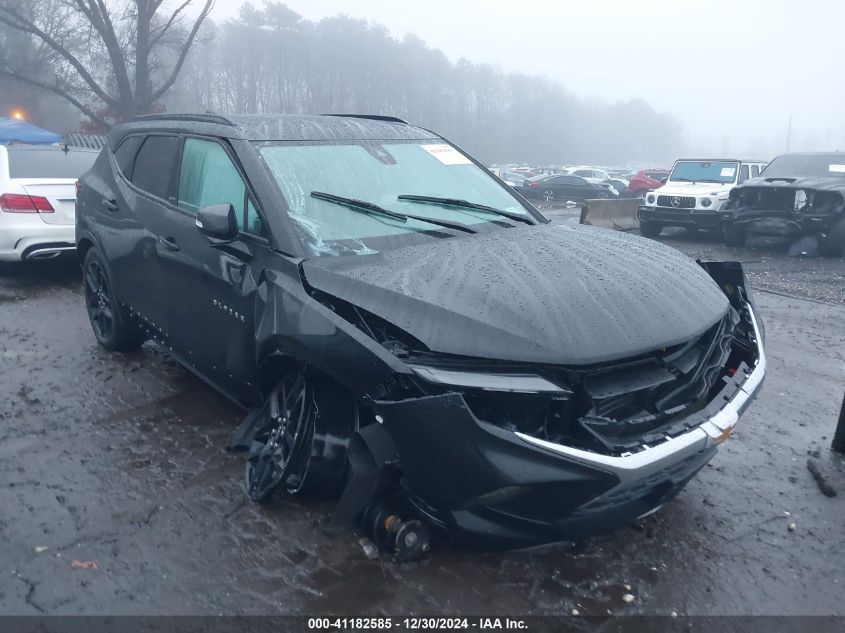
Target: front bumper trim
point(634, 466)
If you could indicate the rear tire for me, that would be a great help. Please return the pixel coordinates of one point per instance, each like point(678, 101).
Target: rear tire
point(732, 236)
point(650, 228)
point(113, 328)
point(834, 244)
point(549, 195)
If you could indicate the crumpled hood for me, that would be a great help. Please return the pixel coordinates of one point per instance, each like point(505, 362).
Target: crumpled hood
point(542, 294)
point(817, 183)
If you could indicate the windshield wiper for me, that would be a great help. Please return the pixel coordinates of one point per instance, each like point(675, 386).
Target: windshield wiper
point(455, 202)
point(684, 180)
point(371, 208)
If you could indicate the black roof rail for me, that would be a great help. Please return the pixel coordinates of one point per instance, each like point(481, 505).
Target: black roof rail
point(199, 118)
point(372, 117)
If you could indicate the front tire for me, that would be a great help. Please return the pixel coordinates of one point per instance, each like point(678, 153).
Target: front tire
point(650, 228)
point(112, 327)
point(301, 442)
point(735, 237)
point(834, 244)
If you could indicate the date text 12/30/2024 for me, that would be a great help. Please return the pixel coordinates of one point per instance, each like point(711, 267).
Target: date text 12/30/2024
point(416, 623)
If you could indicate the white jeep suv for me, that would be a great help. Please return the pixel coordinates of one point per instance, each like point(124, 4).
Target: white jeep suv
point(692, 195)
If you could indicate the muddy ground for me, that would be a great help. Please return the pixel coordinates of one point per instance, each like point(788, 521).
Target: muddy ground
point(118, 461)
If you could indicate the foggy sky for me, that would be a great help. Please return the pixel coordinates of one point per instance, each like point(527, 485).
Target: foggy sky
point(731, 72)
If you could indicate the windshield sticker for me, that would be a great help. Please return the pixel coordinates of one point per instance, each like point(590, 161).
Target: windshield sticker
point(447, 154)
point(728, 172)
point(836, 169)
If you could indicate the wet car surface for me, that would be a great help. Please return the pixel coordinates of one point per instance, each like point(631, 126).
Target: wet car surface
point(120, 460)
point(507, 384)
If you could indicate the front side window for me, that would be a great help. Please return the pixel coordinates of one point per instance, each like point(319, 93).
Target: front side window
point(155, 164)
point(379, 172)
point(207, 177)
point(721, 172)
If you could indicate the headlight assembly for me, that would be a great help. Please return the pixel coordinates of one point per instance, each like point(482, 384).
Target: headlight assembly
point(518, 383)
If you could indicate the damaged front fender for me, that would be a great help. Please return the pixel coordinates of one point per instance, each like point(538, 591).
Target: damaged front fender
point(292, 325)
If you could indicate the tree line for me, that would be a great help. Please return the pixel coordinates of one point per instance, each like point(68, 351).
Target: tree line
point(113, 59)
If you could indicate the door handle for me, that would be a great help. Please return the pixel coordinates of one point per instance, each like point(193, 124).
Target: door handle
point(110, 205)
point(169, 243)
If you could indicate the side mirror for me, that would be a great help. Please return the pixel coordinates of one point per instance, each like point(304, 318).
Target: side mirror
point(218, 221)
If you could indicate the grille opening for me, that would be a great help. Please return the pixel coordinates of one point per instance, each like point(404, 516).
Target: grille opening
point(619, 408)
point(676, 202)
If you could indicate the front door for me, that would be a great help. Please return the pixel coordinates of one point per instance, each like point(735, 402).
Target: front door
point(211, 286)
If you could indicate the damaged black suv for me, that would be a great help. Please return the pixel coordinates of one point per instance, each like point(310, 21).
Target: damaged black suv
point(796, 196)
point(409, 333)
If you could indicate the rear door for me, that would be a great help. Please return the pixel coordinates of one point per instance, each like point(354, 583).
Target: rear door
point(573, 187)
point(133, 226)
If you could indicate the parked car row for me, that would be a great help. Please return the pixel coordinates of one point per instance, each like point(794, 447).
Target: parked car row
point(794, 196)
point(623, 183)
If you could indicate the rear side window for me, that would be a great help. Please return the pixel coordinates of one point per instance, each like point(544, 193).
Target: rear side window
point(207, 176)
point(155, 165)
point(49, 163)
point(755, 171)
point(125, 154)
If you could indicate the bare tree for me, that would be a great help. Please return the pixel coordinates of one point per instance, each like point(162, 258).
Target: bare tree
point(108, 56)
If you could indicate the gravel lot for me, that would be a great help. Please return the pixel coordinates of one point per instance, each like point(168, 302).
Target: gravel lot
point(118, 460)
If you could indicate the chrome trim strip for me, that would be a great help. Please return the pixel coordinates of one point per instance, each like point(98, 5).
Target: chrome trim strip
point(712, 431)
point(52, 251)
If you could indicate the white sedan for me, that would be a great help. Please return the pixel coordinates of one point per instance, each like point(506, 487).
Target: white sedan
point(38, 199)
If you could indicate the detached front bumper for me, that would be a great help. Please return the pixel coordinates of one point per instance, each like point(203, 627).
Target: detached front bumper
point(494, 486)
point(670, 216)
point(776, 223)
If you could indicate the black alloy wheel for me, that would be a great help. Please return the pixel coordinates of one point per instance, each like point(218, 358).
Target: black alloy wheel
point(98, 300)
point(112, 328)
point(277, 456)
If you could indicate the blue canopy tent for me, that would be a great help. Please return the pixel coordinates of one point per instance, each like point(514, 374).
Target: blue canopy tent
point(17, 131)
